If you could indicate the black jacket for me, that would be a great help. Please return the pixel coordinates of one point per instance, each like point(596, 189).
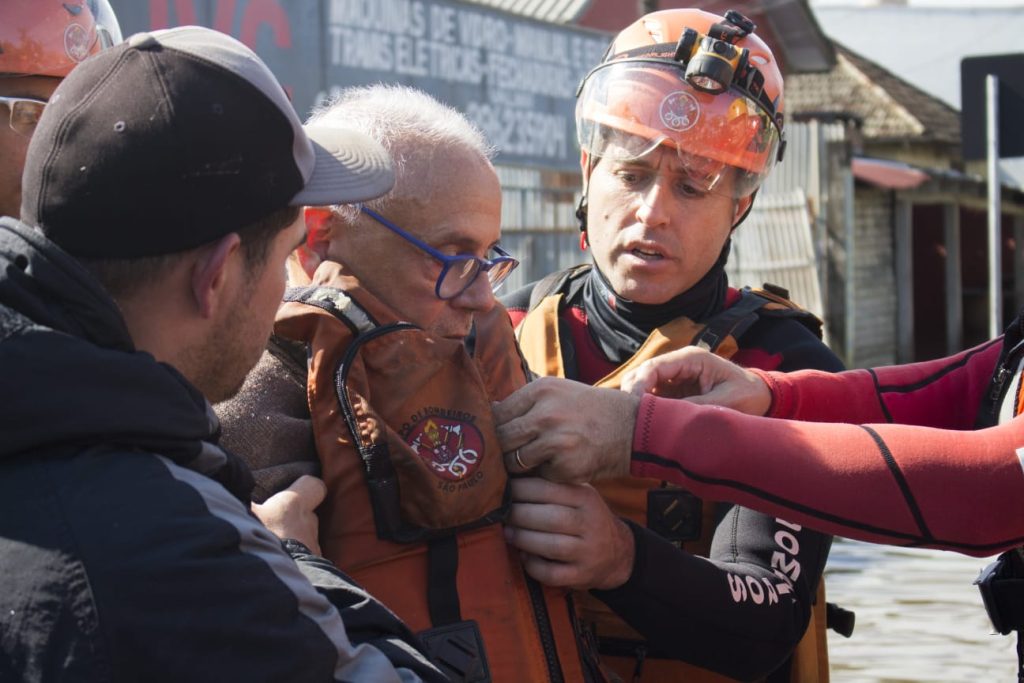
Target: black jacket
point(127, 549)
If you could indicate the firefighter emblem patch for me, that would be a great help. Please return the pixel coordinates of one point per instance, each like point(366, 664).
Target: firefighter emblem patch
point(679, 111)
point(452, 448)
point(77, 42)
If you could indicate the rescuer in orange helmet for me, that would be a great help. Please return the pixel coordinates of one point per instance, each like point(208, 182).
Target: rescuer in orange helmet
point(40, 42)
point(678, 126)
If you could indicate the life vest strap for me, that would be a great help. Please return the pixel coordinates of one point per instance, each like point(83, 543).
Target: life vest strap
point(442, 590)
point(454, 645)
point(335, 302)
point(733, 321)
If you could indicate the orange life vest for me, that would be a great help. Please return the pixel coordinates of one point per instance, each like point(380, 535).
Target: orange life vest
point(416, 484)
point(667, 509)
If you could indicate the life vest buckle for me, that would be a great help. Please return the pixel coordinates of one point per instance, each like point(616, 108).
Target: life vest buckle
point(674, 514)
point(1002, 591)
point(458, 650)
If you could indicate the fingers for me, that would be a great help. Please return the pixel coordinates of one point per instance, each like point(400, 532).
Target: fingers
point(515, 464)
point(640, 380)
point(542, 506)
point(554, 547)
point(515, 405)
point(518, 420)
point(290, 513)
point(537, 490)
point(311, 490)
point(512, 428)
point(568, 535)
point(569, 432)
point(664, 374)
point(552, 573)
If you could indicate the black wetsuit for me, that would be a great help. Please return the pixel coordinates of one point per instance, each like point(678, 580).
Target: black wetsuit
point(696, 609)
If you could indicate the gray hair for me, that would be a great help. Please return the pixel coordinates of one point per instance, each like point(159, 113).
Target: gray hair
point(410, 124)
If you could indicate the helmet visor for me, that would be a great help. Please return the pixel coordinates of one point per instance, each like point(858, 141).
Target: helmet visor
point(628, 108)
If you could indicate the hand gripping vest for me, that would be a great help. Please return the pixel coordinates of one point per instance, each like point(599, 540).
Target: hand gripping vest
point(416, 485)
point(668, 510)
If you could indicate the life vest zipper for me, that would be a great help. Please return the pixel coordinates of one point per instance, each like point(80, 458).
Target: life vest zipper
point(341, 375)
point(544, 632)
point(997, 386)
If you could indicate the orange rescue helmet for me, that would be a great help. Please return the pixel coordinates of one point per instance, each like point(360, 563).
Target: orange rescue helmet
point(50, 37)
point(695, 81)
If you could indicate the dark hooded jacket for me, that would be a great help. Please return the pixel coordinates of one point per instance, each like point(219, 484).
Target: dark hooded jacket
point(127, 549)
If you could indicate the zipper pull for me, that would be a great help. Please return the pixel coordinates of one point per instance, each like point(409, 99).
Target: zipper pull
point(641, 655)
point(997, 383)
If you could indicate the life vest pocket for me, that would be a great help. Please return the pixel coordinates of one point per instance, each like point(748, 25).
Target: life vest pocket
point(421, 418)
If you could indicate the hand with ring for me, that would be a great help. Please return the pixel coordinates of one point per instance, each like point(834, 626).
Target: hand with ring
point(566, 431)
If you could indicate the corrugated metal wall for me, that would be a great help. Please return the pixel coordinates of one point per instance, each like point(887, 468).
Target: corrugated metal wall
point(775, 245)
point(538, 222)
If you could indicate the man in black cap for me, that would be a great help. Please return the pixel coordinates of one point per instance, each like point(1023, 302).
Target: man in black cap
point(160, 199)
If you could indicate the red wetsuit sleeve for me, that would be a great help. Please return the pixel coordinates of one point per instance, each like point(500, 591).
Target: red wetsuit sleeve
point(885, 483)
point(942, 393)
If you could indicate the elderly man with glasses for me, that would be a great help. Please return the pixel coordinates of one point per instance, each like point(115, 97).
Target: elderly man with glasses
point(380, 378)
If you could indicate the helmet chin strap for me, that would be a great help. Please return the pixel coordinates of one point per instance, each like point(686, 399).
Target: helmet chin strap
point(581, 206)
point(581, 212)
point(746, 213)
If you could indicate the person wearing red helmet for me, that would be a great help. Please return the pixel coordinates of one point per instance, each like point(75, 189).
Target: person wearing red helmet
point(40, 42)
point(678, 127)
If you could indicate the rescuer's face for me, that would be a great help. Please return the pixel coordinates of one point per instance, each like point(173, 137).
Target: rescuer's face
point(652, 233)
point(240, 333)
point(450, 199)
point(13, 145)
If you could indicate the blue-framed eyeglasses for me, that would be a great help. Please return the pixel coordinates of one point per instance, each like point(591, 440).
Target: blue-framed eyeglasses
point(460, 271)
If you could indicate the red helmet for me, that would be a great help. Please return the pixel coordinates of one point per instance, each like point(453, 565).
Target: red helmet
point(698, 82)
point(50, 37)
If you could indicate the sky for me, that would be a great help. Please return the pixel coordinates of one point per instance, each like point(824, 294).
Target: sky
point(924, 43)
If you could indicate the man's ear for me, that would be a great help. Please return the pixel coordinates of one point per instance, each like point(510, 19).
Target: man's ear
point(210, 273)
point(742, 206)
point(319, 226)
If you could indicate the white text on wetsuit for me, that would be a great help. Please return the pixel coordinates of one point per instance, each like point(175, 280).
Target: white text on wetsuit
point(785, 566)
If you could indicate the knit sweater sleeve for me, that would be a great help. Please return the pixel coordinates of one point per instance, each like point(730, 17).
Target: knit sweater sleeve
point(267, 423)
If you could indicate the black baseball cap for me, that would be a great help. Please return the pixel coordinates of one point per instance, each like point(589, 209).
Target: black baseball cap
point(175, 138)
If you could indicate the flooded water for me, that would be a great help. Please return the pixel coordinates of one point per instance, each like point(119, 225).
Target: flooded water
point(919, 618)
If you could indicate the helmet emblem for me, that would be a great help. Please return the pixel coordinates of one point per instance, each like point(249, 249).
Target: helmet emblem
point(679, 111)
point(76, 42)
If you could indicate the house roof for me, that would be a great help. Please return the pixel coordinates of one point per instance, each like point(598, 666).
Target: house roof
point(557, 11)
point(924, 45)
point(889, 107)
point(790, 28)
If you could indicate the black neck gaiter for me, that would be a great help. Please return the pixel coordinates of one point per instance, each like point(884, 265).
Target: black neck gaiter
point(619, 326)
